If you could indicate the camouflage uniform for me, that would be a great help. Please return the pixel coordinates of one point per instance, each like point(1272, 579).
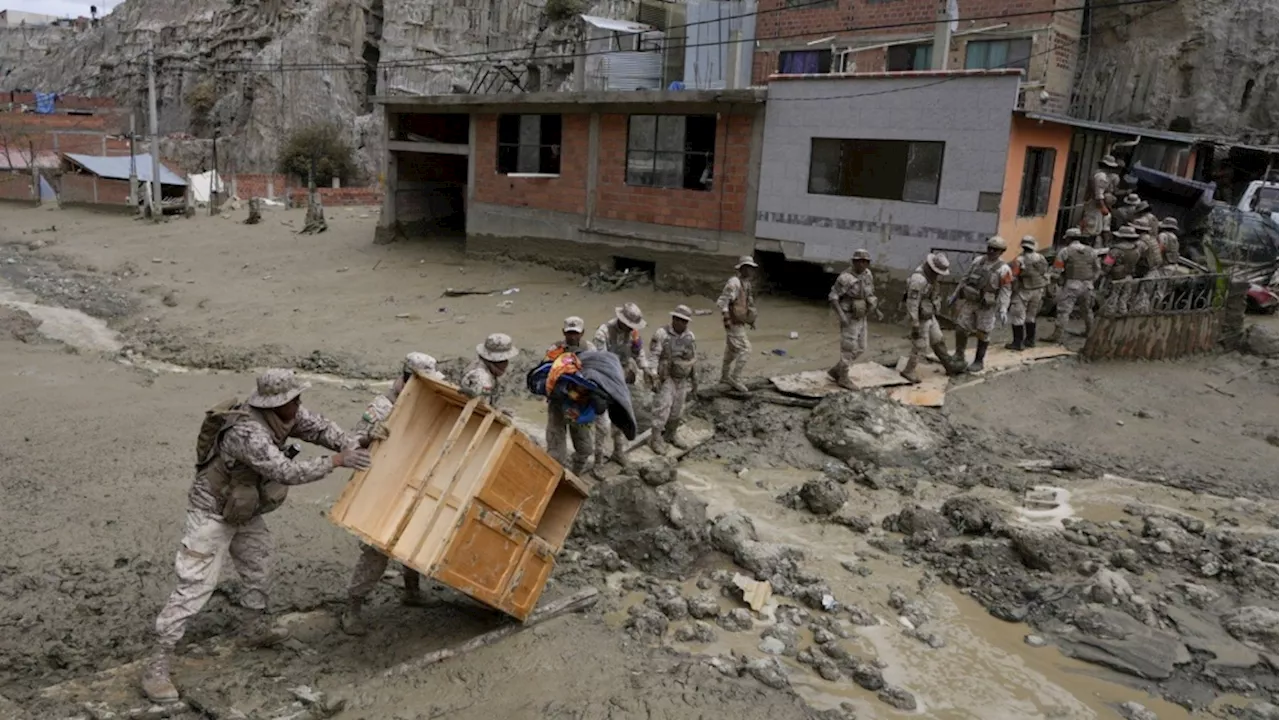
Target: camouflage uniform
point(675, 355)
point(477, 381)
point(1080, 266)
point(922, 307)
point(989, 295)
point(737, 302)
point(855, 294)
point(560, 429)
point(616, 337)
point(1030, 278)
point(1095, 220)
point(1168, 244)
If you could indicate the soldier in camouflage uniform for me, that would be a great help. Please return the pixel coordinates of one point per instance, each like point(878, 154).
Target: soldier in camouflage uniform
point(737, 303)
point(620, 336)
point(1149, 255)
point(483, 377)
point(244, 474)
point(674, 352)
point(1079, 267)
point(559, 427)
point(983, 297)
point(1131, 207)
point(852, 296)
point(922, 305)
point(1122, 260)
point(1030, 278)
point(372, 563)
point(1102, 189)
point(1168, 241)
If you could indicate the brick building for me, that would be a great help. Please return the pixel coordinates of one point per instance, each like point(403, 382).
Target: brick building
point(581, 180)
point(820, 36)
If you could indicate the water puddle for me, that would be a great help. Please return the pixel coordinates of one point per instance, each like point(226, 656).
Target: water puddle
point(71, 327)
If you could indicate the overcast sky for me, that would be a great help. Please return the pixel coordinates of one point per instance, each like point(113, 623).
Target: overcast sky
point(61, 8)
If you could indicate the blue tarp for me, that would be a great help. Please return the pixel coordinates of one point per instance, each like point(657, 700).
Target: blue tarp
point(46, 190)
point(117, 168)
point(44, 102)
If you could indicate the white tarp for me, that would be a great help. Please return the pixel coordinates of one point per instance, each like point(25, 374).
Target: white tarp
point(204, 184)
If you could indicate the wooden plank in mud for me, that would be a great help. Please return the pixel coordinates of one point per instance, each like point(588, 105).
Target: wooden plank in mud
point(816, 383)
point(692, 433)
point(930, 392)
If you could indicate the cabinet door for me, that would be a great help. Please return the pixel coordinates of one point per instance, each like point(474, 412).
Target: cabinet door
point(522, 482)
point(482, 555)
point(530, 579)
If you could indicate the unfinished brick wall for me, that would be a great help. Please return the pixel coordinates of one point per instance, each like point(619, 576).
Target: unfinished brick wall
point(719, 208)
point(74, 188)
point(338, 197)
point(16, 185)
point(565, 193)
point(254, 185)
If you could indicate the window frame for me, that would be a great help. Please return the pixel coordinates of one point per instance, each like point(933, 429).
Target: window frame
point(550, 154)
point(637, 146)
point(826, 57)
point(1023, 63)
point(851, 177)
point(915, 50)
point(1034, 175)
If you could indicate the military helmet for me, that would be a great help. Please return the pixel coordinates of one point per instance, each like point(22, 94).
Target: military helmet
point(861, 254)
point(1029, 242)
point(995, 242)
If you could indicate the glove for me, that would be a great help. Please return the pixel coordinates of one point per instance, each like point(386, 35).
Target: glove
point(380, 431)
point(356, 459)
point(1004, 317)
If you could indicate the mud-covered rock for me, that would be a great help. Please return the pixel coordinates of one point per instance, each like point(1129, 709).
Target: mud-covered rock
point(730, 530)
point(695, 632)
point(867, 676)
point(862, 617)
point(1260, 339)
point(1253, 624)
point(971, 515)
point(703, 606)
point(675, 608)
point(1135, 711)
point(871, 428)
point(658, 471)
point(766, 559)
point(898, 698)
point(915, 519)
point(859, 523)
point(769, 672)
point(786, 636)
point(736, 620)
point(827, 668)
point(1041, 549)
point(659, 529)
point(643, 621)
point(1109, 586)
point(823, 496)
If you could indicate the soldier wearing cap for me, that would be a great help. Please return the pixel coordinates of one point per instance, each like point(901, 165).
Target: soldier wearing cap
point(922, 307)
point(1079, 267)
point(1122, 258)
point(1149, 255)
point(243, 474)
point(372, 563)
point(483, 376)
point(1102, 189)
point(852, 296)
point(1131, 207)
point(674, 353)
point(1030, 278)
point(983, 297)
point(620, 336)
point(737, 303)
point(559, 428)
point(1168, 241)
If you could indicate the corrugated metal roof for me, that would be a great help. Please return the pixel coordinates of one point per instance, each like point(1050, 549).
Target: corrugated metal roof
point(117, 168)
point(1118, 129)
point(632, 71)
point(616, 25)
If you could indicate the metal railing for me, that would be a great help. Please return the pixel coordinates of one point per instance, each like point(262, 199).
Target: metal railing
point(1177, 295)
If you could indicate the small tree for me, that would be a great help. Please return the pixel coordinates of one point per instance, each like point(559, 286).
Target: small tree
point(326, 145)
point(201, 98)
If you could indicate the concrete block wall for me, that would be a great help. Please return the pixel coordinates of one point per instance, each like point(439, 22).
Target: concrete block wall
point(564, 193)
point(896, 107)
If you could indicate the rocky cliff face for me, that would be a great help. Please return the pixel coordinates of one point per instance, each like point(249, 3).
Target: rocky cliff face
point(234, 65)
point(1206, 66)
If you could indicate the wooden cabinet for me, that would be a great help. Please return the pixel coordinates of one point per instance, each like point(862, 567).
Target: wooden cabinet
point(461, 496)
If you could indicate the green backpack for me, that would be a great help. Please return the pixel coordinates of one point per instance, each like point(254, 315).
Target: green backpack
point(216, 419)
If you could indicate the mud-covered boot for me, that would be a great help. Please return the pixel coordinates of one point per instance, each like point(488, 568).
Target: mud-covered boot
point(944, 358)
point(352, 620)
point(909, 372)
point(156, 683)
point(619, 457)
point(672, 437)
point(1056, 335)
point(657, 443)
point(978, 357)
point(1029, 340)
point(412, 595)
point(1019, 333)
point(962, 344)
point(260, 631)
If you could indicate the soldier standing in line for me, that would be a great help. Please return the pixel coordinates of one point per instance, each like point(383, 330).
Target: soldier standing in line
point(243, 471)
point(620, 336)
point(559, 427)
point(852, 296)
point(373, 563)
point(1079, 267)
point(483, 377)
point(1122, 259)
point(1168, 241)
point(1129, 209)
point(674, 352)
point(922, 306)
point(737, 305)
point(983, 297)
point(1102, 185)
point(1149, 255)
point(1030, 278)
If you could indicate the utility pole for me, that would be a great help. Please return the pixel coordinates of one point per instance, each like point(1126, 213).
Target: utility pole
point(213, 184)
point(947, 14)
point(133, 161)
point(156, 208)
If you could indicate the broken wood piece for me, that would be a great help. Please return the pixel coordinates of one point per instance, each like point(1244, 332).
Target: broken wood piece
point(450, 292)
point(1219, 390)
point(580, 600)
point(755, 593)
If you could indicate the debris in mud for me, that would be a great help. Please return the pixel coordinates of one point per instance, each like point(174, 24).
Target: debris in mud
point(755, 594)
point(866, 675)
point(898, 698)
point(658, 471)
point(20, 325)
point(614, 281)
point(785, 639)
point(1252, 624)
point(644, 621)
point(736, 620)
point(703, 606)
point(1134, 711)
point(869, 427)
point(696, 632)
point(820, 496)
point(769, 672)
point(659, 529)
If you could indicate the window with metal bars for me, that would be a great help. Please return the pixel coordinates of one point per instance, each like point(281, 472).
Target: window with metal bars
point(1037, 180)
point(529, 144)
point(671, 151)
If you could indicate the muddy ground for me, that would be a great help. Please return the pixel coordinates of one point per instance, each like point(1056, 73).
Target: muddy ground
point(95, 469)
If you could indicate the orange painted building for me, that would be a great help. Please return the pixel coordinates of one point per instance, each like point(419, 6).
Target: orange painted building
point(1035, 172)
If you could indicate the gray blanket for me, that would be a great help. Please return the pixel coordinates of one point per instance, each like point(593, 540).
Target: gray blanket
point(604, 369)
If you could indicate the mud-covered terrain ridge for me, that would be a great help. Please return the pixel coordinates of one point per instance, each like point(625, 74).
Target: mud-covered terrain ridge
point(1068, 541)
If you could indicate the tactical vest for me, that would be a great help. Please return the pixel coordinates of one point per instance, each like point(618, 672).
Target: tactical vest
point(982, 282)
point(928, 296)
point(1168, 246)
point(1078, 262)
point(1035, 271)
point(678, 356)
point(1126, 256)
point(854, 301)
point(242, 492)
point(740, 312)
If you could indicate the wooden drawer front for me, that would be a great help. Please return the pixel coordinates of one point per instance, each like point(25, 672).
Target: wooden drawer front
point(522, 483)
point(482, 555)
point(530, 579)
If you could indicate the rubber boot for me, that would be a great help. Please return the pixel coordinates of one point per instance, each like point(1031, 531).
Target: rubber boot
point(978, 357)
point(1019, 332)
point(259, 631)
point(909, 372)
point(962, 343)
point(948, 362)
point(156, 683)
point(352, 623)
point(1056, 335)
point(1029, 341)
point(657, 443)
point(726, 367)
point(411, 596)
point(672, 437)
